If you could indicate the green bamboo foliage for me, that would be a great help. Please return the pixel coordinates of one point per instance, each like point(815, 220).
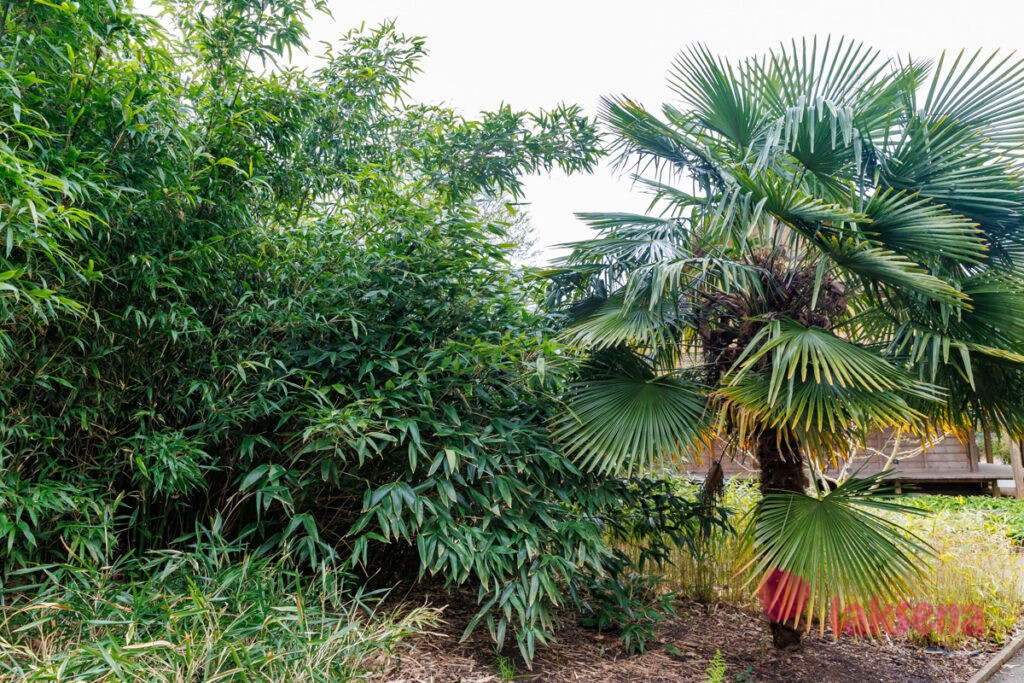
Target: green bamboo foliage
point(233, 289)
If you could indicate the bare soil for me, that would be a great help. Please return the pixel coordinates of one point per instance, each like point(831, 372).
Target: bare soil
point(692, 638)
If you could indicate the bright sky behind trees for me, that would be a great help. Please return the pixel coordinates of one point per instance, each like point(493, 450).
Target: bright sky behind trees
point(536, 53)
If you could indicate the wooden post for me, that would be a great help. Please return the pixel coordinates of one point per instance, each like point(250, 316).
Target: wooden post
point(973, 457)
point(1018, 468)
point(988, 445)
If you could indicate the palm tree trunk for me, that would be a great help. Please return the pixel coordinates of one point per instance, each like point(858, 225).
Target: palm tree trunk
point(782, 470)
point(781, 463)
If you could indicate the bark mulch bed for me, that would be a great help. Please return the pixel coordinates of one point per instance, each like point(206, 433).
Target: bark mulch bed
point(693, 637)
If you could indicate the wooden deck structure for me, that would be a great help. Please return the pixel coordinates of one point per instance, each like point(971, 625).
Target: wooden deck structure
point(945, 461)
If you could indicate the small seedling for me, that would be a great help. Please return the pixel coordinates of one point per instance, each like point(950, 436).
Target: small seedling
point(746, 676)
point(506, 668)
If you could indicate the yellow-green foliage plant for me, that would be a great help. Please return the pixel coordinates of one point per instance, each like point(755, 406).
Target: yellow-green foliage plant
point(716, 572)
point(976, 562)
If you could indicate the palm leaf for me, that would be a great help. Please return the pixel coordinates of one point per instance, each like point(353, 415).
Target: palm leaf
point(996, 399)
point(634, 225)
point(823, 416)
point(718, 93)
point(997, 310)
point(840, 545)
point(983, 92)
point(906, 224)
point(614, 324)
point(705, 273)
point(877, 267)
point(819, 386)
point(625, 424)
point(629, 239)
point(652, 141)
point(950, 164)
point(800, 355)
point(674, 201)
point(932, 351)
point(838, 72)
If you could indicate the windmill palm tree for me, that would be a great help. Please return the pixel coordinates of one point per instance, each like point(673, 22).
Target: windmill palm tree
point(834, 246)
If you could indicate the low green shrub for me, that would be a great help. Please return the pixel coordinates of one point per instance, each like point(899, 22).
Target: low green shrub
point(648, 524)
point(240, 289)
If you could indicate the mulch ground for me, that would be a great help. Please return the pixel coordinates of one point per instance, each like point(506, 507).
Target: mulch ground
point(693, 637)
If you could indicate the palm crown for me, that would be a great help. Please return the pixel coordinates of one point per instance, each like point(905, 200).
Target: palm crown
point(834, 246)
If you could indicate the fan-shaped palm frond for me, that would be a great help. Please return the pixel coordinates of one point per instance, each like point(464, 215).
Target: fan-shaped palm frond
point(881, 270)
point(981, 92)
point(906, 224)
point(838, 73)
point(996, 316)
point(947, 163)
point(802, 354)
point(825, 389)
point(698, 273)
point(679, 146)
point(929, 350)
point(824, 417)
point(613, 324)
point(841, 548)
point(630, 423)
point(719, 94)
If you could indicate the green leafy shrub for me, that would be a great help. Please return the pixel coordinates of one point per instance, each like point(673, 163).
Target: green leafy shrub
point(38, 515)
point(647, 523)
point(241, 291)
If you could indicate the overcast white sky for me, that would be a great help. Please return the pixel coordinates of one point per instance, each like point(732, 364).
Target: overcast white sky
point(537, 53)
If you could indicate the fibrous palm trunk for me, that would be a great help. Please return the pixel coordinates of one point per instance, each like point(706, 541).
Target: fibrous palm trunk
point(782, 471)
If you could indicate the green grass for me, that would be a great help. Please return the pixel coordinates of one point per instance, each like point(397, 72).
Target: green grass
point(215, 614)
point(506, 668)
